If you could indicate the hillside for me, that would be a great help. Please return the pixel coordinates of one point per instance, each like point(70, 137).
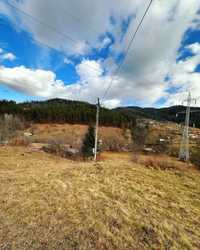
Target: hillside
point(64, 111)
point(75, 112)
point(162, 114)
point(50, 203)
point(114, 139)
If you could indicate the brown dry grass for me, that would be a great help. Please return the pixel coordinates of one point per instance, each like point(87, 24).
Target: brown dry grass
point(51, 203)
point(113, 138)
point(162, 162)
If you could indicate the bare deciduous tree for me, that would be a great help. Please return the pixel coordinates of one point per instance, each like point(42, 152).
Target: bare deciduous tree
point(9, 125)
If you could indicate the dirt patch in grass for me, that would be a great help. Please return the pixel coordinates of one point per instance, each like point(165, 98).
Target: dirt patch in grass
point(51, 203)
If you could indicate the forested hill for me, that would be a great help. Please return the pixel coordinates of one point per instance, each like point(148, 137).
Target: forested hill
point(162, 114)
point(64, 111)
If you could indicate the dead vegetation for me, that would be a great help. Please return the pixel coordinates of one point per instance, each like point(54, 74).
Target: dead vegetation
point(47, 202)
point(59, 148)
point(113, 138)
point(10, 126)
point(160, 162)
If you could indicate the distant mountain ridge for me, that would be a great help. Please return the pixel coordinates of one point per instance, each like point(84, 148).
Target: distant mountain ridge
point(69, 111)
point(163, 114)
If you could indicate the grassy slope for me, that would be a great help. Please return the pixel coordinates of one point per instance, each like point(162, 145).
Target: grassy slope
point(74, 134)
point(51, 203)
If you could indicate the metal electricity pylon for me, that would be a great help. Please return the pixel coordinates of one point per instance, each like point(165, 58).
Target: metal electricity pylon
point(184, 153)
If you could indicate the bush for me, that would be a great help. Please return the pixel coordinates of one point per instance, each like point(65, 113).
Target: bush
point(174, 151)
point(163, 147)
point(23, 141)
point(112, 143)
point(57, 147)
point(155, 162)
point(9, 127)
point(88, 143)
point(195, 156)
point(139, 135)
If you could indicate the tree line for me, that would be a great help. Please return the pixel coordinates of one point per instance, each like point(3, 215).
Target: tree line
point(173, 114)
point(64, 111)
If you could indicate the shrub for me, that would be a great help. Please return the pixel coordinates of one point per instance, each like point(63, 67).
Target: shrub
point(155, 162)
point(174, 151)
point(9, 127)
point(88, 143)
point(112, 143)
point(139, 135)
point(57, 147)
point(23, 141)
point(195, 156)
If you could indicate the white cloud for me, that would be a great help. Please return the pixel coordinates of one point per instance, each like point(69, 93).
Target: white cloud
point(89, 70)
point(113, 103)
point(33, 82)
point(92, 18)
point(43, 83)
point(91, 85)
point(8, 56)
point(153, 54)
point(195, 47)
point(103, 44)
point(80, 48)
point(67, 61)
point(185, 78)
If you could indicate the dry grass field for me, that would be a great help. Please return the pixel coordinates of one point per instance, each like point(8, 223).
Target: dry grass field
point(113, 138)
point(51, 203)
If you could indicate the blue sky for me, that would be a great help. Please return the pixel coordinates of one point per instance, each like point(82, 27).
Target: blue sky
point(38, 61)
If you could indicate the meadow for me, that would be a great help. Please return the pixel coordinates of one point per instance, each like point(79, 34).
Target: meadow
point(121, 202)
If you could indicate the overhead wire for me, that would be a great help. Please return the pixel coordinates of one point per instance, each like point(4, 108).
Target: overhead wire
point(51, 28)
point(41, 22)
point(75, 40)
point(126, 52)
point(78, 19)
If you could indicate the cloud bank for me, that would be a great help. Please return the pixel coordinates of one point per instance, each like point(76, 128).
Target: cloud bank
point(143, 76)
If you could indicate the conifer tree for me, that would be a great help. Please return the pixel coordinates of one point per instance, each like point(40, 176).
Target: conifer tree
point(88, 143)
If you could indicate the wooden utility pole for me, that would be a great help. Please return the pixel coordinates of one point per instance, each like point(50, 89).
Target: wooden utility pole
point(96, 130)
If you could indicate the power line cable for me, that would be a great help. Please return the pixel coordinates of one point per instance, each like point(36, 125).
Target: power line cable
point(127, 51)
point(78, 19)
point(41, 22)
point(52, 48)
point(74, 40)
point(50, 27)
